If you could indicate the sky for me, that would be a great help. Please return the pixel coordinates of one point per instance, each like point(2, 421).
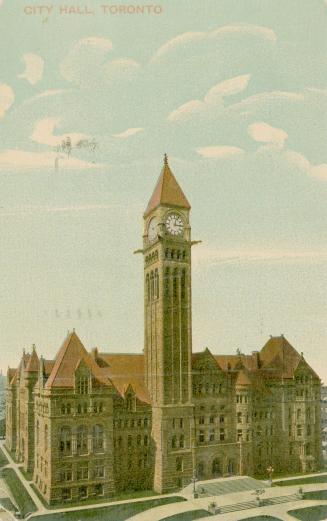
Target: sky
point(236, 94)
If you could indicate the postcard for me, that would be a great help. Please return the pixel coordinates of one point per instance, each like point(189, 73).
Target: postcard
point(163, 214)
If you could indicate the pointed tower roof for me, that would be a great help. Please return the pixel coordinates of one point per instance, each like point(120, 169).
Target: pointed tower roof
point(167, 191)
point(71, 353)
point(33, 362)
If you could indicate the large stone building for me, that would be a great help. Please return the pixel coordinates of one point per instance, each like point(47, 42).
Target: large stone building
point(89, 424)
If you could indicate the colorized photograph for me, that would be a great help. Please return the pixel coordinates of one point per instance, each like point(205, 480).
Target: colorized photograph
point(163, 230)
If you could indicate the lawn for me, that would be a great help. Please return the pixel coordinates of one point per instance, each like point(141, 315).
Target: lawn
point(261, 518)
point(316, 495)
point(20, 495)
point(318, 513)
point(188, 516)
point(301, 481)
point(110, 513)
point(3, 459)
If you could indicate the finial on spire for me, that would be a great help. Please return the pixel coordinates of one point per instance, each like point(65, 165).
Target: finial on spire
point(165, 159)
point(33, 347)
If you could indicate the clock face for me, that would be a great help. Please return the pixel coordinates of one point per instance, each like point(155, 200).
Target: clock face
point(152, 229)
point(174, 224)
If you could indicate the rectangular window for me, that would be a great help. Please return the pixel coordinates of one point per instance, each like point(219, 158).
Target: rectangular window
point(98, 470)
point(98, 489)
point(83, 471)
point(201, 420)
point(222, 434)
point(299, 430)
point(66, 494)
point(239, 434)
point(66, 473)
point(82, 492)
point(201, 436)
point(221, 419)
point(211, 435)
point(212, 419)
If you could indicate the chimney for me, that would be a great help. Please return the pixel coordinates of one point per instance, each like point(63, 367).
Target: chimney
point(256, 360)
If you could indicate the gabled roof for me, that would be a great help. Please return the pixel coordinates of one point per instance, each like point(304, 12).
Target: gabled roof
point(126, 370)
point(71, 352)
point(279, 357)
point(243, 378)
point(205, 359)
point(167, 191)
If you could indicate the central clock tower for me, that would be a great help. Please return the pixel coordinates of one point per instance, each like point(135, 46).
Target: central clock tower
point(167, 329)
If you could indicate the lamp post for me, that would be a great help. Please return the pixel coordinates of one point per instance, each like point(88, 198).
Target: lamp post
point(270, 471)
point(194, 480)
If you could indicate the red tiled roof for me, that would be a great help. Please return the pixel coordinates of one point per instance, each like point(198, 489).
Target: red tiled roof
point(167, 192)
point(279, 357)
point(69, 355)
point(124, 370)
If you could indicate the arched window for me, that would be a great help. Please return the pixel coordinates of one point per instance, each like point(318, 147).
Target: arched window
point(147, 288)
point(98, 438)
point(175, 282)
point(166, 282)
point(183, 280)
point(65, 441)
point(46, 437)
point(152, 285)
point(81, 440)
point(156, 284)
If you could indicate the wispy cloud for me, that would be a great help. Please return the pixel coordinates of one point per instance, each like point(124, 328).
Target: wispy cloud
point(220, 152)
point(302, 163)
point(214, 97)
point(47, 94)
point(129, 132)
point(7, 98)
point(43, 133)
point(34, 66)
point(264, 133)
point(188, 38)
point(23, 160)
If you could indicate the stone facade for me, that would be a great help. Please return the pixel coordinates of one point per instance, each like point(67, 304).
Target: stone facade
point(89, 424)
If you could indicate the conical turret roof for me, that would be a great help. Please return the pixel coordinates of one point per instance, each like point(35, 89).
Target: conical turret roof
point(167, 191)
